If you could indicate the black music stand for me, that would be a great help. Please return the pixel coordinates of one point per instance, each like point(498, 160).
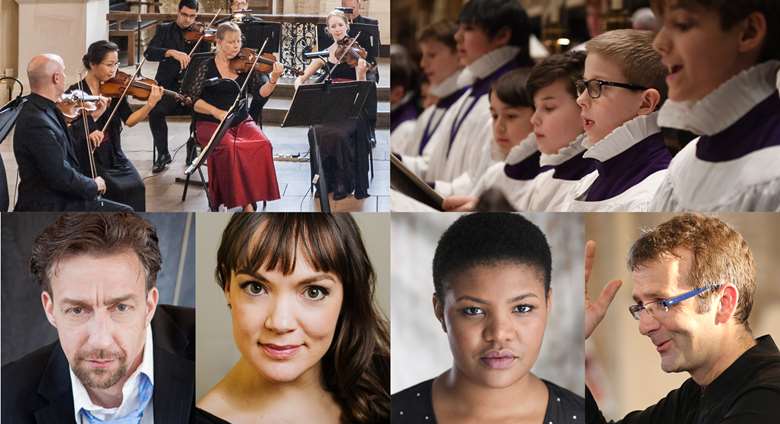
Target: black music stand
point(255, 32)
point(317, 104)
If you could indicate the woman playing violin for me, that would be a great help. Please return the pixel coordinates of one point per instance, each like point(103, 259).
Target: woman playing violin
point(344, 146)
point(240, 167)
point(123, 183)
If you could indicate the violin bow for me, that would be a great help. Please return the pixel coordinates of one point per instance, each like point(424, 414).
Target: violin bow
point(204, 33)
point(85, 123)
point(351, 43)
point(116, 105)
point(207, 148)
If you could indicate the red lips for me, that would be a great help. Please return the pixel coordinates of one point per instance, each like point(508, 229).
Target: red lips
point(280, 352)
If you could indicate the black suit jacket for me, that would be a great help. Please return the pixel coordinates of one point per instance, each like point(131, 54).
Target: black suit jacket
point(169, 36)
point(48, 167)
point(36, 388)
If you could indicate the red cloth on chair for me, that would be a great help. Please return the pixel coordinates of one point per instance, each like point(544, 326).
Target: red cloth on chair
point(241, 166)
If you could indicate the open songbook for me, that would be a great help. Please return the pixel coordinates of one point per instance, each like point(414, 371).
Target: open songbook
point(406, 182)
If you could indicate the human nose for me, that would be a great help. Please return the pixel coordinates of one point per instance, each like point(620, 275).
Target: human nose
point(281, 317)
point(101, 331)
point(661, 42)
point(647, 322)
point(536, 120)
point(583, 100)
point(499, 328)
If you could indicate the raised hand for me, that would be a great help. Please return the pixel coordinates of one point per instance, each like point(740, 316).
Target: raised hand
point(595, 311)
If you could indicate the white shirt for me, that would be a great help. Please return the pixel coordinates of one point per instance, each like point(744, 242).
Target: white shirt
point(747, 183)
point(515, 191)
point(130, 399)
point(547, 193)
point(456, 167)
point(638, 197)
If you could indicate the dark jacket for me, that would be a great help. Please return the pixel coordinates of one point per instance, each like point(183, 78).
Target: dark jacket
point(37, 390)
point(170, 36)
point(747, 392)
point(48, 167)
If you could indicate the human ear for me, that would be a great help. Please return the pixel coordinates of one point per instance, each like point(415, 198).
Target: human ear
point(48, 307)
point(502, 37)
point(438, 310)
point(727, 305)
point(753, 32)
point(650, 100)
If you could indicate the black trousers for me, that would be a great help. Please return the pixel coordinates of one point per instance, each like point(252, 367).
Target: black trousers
point(167, 106)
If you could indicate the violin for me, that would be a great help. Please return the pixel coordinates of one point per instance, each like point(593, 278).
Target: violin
point(141, 88)
point(72, 104)
point(197, 30)
point(243, 61)
point(351, 52)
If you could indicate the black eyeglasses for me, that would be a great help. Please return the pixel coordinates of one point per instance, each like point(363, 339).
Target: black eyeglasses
point(594, 87)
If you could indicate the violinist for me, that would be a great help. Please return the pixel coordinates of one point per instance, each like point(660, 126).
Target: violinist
point(170, 48)
point(240, 167)
point(123, 182)
point(49, 170)
point(343, 146)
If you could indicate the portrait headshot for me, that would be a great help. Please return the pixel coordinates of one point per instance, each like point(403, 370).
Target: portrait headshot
point(487, 318)
point(681, 312)
point(98, 324)
point(292, 318)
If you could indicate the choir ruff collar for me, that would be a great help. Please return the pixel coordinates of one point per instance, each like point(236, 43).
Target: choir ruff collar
point(623, 137)
point(723, 107)
point(573, 149)
point(522, 151)
point(403, 102)
point(487, 64)
point(448, 86)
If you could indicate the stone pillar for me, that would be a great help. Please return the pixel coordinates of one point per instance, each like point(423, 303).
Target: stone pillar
point(63, 27)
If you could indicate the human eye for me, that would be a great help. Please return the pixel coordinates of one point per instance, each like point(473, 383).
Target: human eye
point(471, 311)
point(315, 292)
point(252, 288)
point(122, 307)
point(523, 309)
point(75, 311)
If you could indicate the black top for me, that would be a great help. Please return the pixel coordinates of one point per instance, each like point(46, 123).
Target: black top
point(48, 167)
point(222, 93)
point(199, 416)
point(109, 154)
point(41, 392)
point(170, 36)
point(747, 392)
point(415, 405)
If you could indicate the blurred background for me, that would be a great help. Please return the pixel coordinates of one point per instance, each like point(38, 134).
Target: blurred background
point(420, 350)
point(624, 369)
point(24, 324)
point(216, 351)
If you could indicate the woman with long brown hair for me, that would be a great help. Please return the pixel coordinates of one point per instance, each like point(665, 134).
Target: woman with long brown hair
point(314, 347)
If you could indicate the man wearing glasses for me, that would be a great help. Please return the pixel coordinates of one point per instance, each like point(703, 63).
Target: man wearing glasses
point(172, 51)
point(694, 281)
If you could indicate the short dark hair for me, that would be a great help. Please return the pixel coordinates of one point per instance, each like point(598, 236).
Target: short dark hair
point(442, 31)
point(95, 234)
point(97, 51)
point(720, 255)
point(488, 239)
point(510, 88)
point(568, 67)
point(403, 70)
point(732, 12)
point(192, 4)
point(492, 16)
point(356, 368)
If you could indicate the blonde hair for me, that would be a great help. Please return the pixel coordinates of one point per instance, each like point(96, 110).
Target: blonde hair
point(226, 27)
point(632, 50)
point(336, 13)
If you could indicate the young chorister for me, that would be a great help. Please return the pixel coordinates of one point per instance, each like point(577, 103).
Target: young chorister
point(724, 63)
point(623, 88)
point(403, 93)
point(441, 66)
point(492, 40)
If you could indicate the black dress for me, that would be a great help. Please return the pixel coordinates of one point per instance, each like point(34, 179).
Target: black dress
point(344, 149)
point(415, 405)
point(200, 416)
point(123, 182)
